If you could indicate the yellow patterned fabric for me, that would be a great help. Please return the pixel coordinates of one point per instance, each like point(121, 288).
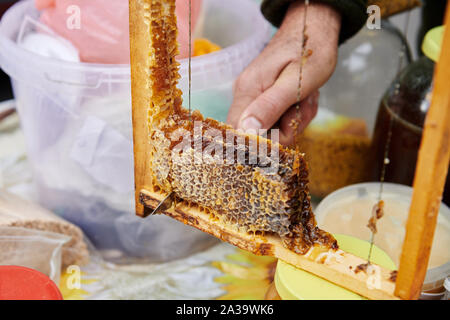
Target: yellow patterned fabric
point(71, 290)
point(246, 276)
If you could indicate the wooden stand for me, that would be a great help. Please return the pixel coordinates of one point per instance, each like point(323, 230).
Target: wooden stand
point(431, 172)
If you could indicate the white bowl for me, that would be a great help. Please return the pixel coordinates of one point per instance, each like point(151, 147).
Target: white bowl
point(347, 211)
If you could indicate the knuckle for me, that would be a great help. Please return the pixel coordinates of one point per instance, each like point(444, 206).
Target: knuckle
point(270, 102)
point(242, 83)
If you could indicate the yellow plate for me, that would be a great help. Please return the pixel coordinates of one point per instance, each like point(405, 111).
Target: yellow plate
point(296, 284)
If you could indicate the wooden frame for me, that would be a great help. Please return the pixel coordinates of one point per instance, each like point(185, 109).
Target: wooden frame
point(139, 33)
point(341, 272)
point(431, 170)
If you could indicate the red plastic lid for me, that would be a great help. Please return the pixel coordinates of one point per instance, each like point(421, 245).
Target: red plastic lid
point(20, 283)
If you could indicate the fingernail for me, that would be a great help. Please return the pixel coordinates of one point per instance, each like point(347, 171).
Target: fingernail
point(250, 123)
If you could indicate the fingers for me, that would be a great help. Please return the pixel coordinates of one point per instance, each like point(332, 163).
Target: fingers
point(260, 75)
point(307, 112)
point(269, 86)
point(269, 106)
point(244, 94)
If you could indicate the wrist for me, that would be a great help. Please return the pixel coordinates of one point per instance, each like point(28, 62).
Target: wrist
point(321, 17)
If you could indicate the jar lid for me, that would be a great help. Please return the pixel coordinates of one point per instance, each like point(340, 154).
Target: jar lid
point(295, 284)
point(20, 283)
point(432, 43)
point(447, 284)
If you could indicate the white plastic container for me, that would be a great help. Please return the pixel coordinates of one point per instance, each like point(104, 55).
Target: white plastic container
point(77, 121)
point(347, 211)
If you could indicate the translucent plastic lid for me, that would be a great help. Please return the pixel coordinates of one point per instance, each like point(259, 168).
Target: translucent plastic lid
point(20, 283)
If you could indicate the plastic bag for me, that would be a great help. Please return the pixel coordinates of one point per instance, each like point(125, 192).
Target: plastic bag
point(33, 249)
point(86, 176)
point(18, 212)
point(99, 29)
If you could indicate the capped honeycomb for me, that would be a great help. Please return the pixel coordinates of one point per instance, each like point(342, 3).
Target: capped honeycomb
point(223, 172)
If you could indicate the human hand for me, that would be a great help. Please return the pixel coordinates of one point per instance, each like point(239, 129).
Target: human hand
point(266, 92)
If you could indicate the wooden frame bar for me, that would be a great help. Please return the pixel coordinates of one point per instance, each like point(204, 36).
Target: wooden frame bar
point(140, 35)
point(341, 272)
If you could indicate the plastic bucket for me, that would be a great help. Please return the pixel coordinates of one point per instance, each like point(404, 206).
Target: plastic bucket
point(77, 123)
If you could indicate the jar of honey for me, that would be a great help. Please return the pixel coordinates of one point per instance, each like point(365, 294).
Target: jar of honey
point(401, 117)
point(337, 142)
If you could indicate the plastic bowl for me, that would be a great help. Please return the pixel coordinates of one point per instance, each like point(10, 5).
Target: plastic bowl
point(347, 211)
point(77, 123)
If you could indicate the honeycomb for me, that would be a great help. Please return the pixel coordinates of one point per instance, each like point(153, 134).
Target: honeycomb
point(242, 187)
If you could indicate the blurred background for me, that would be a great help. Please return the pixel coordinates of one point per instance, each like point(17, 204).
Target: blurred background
point(5, 86)
point(68, 148)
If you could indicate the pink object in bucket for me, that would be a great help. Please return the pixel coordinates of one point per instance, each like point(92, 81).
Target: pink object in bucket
point(99, 29)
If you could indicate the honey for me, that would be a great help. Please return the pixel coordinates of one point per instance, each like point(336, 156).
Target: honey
point(205, 163)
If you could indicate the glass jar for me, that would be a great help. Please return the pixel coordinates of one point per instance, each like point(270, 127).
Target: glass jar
point(337, 142)
point(401, 117)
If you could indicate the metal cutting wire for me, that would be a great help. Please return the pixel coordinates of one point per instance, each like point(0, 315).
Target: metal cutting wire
point(190, 58)
point(302, 61)
point(402, 55)
point(162, 206)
